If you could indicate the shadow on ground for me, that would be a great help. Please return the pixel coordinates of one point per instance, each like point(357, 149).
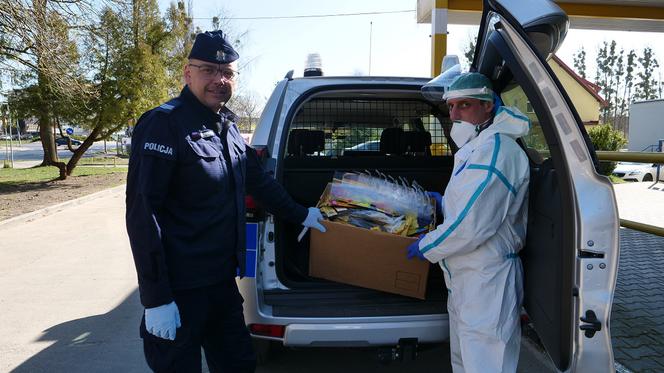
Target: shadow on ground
point(10, 187)
point(101, 343)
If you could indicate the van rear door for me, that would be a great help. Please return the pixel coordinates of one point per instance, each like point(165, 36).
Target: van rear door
point(571, 254)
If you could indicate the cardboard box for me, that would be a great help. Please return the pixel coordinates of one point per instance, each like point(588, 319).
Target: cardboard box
point(366, 258)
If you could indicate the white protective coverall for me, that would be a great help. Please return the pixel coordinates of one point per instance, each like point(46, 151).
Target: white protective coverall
point(485, 211)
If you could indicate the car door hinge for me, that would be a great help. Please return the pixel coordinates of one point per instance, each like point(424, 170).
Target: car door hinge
point(591, 324)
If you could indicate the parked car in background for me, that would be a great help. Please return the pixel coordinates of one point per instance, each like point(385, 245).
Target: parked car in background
point(367, 147)
point(632, 171)
point(63, 141)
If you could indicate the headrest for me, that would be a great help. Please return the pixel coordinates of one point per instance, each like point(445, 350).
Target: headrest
point(390, 141)
point(416, 142)
point(304, 141)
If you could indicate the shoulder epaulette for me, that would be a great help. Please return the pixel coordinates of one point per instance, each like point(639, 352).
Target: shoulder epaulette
point(169, 106)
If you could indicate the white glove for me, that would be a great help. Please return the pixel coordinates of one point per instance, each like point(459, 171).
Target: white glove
point(314, 217)
point(163, 320)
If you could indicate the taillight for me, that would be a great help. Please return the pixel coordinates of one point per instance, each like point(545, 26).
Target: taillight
point(261, 151)
point(253, 209)
point(268, 330)
point(249, 202)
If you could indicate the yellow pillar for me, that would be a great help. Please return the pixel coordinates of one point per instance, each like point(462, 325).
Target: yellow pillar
point(438, 35)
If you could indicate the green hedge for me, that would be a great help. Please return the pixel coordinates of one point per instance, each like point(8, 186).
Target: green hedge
point(606, 138)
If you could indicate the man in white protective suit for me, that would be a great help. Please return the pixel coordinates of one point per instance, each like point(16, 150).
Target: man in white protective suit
point(485, 210)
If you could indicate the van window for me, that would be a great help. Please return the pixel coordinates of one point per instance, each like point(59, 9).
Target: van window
point(339, 127)
point(535, 143)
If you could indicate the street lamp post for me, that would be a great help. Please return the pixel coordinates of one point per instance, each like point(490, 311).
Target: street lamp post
point(11, 145)
point(6, 119)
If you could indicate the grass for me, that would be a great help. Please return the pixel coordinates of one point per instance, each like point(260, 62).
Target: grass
point(616, 179)
point(42, 174)
point(5, 143)
point(103, 160)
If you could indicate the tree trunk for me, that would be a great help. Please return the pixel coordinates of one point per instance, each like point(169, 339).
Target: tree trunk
point(50, 157)
point(47, 140)
point(78, 153)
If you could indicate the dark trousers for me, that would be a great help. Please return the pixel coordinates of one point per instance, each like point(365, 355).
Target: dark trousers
point(211, 318)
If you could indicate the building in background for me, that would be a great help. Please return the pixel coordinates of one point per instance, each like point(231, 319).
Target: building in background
point(646, 126)
point(584, 94)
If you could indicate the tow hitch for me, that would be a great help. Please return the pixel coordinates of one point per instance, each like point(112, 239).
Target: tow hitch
point(405, 350)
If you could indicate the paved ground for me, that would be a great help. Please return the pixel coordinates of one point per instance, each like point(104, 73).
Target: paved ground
point(68, 294)
point(637, 317)
point(641, 202)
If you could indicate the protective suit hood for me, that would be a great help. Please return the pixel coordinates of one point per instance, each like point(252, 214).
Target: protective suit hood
point(508, 121)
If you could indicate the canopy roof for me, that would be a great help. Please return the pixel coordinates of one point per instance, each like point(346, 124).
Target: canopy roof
point(619, 15)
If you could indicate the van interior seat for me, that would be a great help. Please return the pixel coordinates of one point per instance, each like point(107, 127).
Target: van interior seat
point(416, 142)
point(305, 142)
point(391, 141)
point(396, 141)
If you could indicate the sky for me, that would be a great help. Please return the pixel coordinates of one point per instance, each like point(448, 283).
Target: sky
point(391, 44)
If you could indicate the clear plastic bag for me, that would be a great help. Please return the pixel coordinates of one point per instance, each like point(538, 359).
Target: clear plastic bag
point(381, 201)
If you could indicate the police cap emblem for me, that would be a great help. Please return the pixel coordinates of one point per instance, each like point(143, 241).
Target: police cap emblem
point(221, 55)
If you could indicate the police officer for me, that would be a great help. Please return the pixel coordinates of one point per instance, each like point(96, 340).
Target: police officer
point(188, 173)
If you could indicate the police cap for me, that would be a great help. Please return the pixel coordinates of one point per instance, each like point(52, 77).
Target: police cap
point(212, 46)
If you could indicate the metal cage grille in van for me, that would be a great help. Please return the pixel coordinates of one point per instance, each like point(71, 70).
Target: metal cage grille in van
point(334, 127)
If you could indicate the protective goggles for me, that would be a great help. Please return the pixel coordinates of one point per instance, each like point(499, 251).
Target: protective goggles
point(483, 93)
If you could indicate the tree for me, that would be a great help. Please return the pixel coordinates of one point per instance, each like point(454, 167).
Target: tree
point(37, 39)
point(628, 85)
point(128, 57)
point(647, 88)
point(619, 106)
point(580, 62)
point(469, 51)
point(605, 77)
point(110, 56)
point(181, 37)
point(247, 108)
point(98, 68)
point(623, 78)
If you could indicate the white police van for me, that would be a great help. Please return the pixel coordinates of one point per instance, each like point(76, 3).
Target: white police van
point(307, 132)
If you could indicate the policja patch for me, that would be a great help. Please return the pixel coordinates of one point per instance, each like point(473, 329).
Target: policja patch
point(164, 149)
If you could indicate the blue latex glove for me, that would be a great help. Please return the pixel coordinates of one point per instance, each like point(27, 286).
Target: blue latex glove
point(414, 249)
point(162, 321)
point(439, 201)
point(314, 217)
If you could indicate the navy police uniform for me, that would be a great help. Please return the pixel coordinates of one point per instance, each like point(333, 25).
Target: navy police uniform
point(189, 171)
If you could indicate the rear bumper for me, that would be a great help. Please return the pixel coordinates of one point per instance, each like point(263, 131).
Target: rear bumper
point(365, 334)
point(344, 332)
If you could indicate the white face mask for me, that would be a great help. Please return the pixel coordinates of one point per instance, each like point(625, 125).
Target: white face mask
point(462, 132)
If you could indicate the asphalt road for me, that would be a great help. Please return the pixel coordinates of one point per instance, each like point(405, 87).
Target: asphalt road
point(69, 303)
point(32, 151)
